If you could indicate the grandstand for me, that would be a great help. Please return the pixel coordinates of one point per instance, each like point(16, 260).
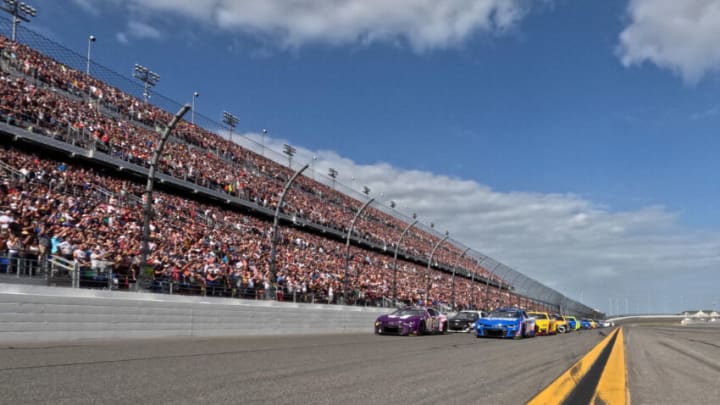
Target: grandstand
point(76, 151)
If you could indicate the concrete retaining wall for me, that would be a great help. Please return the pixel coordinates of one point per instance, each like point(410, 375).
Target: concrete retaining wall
point(41, 314)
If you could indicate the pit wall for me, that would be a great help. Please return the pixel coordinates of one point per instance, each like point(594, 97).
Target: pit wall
point(45, 314)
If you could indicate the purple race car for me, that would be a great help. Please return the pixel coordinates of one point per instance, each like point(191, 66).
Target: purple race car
point(412, 321)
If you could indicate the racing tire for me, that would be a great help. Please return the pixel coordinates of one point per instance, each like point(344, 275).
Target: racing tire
point(561, 329)
point(420, 329)
point(444, 328)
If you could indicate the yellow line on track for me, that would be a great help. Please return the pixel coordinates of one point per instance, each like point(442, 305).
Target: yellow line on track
point(560, 389)
point(612, 388)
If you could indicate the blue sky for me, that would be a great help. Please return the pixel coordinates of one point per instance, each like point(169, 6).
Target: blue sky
point(595, 114)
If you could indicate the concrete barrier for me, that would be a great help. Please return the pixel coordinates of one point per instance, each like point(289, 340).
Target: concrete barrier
point(42, 314)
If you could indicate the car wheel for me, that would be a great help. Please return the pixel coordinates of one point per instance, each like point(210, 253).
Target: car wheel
point(420, 328)
point(561, 329)
point(444, 328)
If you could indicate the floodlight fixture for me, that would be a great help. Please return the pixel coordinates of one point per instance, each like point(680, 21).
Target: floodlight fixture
point(20, 12)
point(148, 77)
point(231, 122)
point(290, 152)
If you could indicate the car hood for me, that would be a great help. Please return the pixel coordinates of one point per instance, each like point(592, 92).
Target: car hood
point(496, 321)
point(406, 318)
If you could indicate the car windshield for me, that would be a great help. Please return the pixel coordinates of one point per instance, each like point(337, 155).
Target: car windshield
point(470, 316)
point(557, 317)
point(409, 312)
point(504, 314)
point(538, 315)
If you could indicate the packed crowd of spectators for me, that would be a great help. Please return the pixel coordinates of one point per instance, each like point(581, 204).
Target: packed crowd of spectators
point(55, 208)
point(201, 156)
point(47, 97)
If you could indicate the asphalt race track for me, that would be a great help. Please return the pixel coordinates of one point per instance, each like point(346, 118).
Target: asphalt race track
point(665, 365)
point(673, 365)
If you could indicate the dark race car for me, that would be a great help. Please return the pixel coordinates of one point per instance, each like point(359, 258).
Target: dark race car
point(464, 321)
point(411, 321)
point(506, 323)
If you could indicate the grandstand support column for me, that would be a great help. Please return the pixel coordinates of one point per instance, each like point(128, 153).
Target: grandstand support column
point(276, 220)
point(347, 249)
point(452, 299)
point(147, 206)
point(397, 247)
point(432, 253)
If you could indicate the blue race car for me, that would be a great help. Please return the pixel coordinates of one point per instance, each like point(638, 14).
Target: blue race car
point(506, 323)
point(586, 324)
point(572, 323)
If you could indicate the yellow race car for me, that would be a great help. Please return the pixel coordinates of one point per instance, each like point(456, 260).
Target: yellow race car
point(561, 324)
point(542, 323)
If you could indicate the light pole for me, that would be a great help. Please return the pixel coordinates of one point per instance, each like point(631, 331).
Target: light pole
point(333, 175)
point(91, 39)
point(20, 12)
point(290, 152)
point(148, 77)
point(231, 122)
point(264, 134)
point(192, 110)
point(312, 166)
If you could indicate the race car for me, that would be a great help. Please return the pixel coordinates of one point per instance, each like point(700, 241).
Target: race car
point(573, 323)
point(412, 321)
point(587, 324)
point(543, 325)
point(464, 321)
point(506, 323)
point(561, 323)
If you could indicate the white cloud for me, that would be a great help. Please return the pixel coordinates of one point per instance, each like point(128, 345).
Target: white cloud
point(142, 30)
point(423, 24)
point(680, 35)
point(138, 30)
point(564, 241)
